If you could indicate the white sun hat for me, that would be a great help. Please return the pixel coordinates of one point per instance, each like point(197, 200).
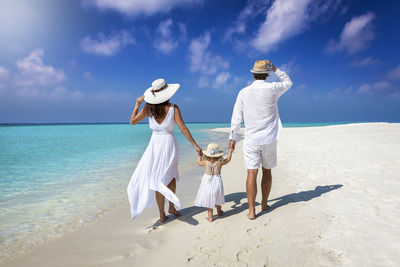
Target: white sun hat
point(213, 151)
point(160, 91)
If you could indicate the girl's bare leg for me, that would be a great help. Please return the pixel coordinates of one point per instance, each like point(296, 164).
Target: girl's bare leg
point(172, 187)
point(160, 204)
point(210, 215)
point(219, 210)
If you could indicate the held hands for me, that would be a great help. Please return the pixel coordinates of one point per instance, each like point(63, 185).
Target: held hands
point(198, 150)
point(232, 145)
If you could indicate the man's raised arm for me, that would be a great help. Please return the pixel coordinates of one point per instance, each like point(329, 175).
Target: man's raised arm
point(280, 87)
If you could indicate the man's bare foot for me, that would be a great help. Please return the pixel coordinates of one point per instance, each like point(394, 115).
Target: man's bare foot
point(251, 216)
point(264, 206)
point(163, 218)
point(220, 212)
point(210, 219)
point(174, 211)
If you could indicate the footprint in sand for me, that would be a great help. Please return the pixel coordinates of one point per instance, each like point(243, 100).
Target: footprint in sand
point(252, 230)
point(242, 255)
point(271, 259)
point(264, 242)
point(148, 243)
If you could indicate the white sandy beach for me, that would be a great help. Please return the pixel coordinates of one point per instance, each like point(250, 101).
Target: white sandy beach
point(334, 202)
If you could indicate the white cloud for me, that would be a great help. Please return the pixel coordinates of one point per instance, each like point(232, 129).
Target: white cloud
point(221, 79)
point(289, 67)
point(4, 77)
point(203, 82)
point(356, 35)
point(288, 18)
point(107, 46)
point(165, 41)
point(138, 7)
point(339, 92)
point(33, 72)
point(371, 89)
point(364, 62)
point(252, 9)
point(284, 19)
point(202, 60)
point(394, 74)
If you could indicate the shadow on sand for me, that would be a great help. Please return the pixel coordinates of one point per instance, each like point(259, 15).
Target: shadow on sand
point(187, 214)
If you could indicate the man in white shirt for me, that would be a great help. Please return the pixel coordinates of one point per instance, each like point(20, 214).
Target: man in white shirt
point(257, 106)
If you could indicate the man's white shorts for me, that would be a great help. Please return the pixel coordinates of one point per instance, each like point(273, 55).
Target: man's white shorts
point(254, 155)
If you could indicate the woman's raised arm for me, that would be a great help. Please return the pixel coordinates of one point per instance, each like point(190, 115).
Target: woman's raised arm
point(185, 130)
point(135, 117)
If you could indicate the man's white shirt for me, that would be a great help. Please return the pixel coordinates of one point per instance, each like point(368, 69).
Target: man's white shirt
point(257, 105)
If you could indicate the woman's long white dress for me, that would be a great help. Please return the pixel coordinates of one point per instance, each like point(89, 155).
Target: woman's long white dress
point(157, 167)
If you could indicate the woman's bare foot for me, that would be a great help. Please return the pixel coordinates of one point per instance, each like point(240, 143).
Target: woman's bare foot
point(210, 215)
point(251, 216)
point(174, 211)
point(264, 206)
point(219, 210)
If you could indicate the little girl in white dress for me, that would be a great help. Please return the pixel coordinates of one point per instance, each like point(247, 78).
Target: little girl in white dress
point(211, 190)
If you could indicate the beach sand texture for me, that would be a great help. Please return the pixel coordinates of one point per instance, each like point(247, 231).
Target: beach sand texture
point(334, 202)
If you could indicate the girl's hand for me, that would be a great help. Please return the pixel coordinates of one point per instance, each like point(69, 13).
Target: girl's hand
point(139, 100)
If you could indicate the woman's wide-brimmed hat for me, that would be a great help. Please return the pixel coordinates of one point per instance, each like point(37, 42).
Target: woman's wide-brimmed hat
point(260, 67)
point(160, 91)
point(213, 151)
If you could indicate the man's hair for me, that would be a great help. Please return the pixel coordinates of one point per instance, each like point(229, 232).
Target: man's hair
point(260, 76)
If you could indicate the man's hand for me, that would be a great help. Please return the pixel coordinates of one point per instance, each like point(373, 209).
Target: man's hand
point(270, 66)
point(232, 144)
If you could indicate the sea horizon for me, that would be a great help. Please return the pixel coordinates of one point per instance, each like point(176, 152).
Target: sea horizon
point(285, 124)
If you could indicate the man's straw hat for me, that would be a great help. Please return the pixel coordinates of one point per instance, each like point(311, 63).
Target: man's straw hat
point(261, 67)
point(213, 151)
point(160, 91)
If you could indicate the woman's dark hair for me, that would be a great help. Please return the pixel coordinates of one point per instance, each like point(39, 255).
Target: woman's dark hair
point(260, 76)
point(156, 110)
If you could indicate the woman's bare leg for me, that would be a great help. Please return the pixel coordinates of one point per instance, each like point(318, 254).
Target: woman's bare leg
point(160, 204)
point(210, 215)
point(219, 210)
point(172, 187)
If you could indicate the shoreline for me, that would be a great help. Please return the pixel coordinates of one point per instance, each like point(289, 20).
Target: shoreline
point(322, 213)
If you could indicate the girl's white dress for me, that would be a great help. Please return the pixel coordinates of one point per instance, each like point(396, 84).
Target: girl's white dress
point(157, 167)
point(211, 190)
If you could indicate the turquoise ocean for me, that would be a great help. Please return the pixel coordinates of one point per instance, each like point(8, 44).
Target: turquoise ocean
point(57, 178)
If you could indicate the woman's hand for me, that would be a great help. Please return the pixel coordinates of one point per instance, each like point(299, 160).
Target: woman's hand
point(139, 100)
point(199, 150)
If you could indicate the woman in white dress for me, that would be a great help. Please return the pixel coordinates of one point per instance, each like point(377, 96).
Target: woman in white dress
point(157, 171)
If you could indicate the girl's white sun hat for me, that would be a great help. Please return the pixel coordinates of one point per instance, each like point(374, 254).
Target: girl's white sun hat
point(160, 91)
point(213, 151)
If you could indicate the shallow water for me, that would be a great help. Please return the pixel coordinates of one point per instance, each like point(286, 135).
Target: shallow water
point(56, 178)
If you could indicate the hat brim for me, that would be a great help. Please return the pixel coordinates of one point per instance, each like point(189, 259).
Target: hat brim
point(259, 71)
point(162, 96)
point(205, 152)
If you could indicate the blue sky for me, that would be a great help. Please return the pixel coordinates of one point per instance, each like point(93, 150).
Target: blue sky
point(87, 61)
